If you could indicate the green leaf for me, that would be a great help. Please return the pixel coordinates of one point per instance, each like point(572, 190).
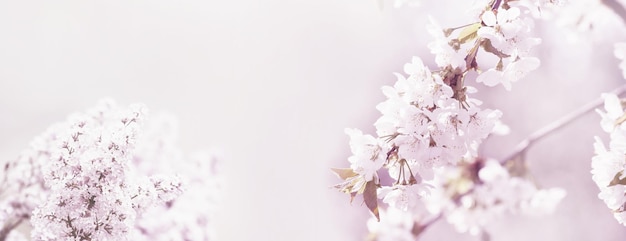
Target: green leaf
point(344, 173)
point(468, 33)
point(617, 180)
point(371, 198)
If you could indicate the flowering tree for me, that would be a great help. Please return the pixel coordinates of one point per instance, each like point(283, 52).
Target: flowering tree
point(423, 164)
point(110, 173)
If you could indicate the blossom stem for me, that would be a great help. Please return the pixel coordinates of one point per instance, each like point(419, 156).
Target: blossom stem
point(424, 226)
point(617, 8)
point(523, 146)
point(496, 4)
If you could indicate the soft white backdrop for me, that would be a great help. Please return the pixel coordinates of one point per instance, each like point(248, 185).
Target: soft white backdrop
point(272, 84)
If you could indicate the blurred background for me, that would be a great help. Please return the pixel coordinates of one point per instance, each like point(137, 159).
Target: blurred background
point(272, 84)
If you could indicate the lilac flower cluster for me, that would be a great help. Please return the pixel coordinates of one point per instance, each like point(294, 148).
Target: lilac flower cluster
point(87, 179)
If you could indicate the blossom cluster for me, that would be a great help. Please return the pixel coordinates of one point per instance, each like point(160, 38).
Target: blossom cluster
point(424, 125)
point(608, 164)
point(588, 16)
point(87, 179)
point(430, 129)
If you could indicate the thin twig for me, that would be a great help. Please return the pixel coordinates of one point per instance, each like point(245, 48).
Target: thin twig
point(424, 226)
point(558, 124)
point(433, 220)
point(617, 8)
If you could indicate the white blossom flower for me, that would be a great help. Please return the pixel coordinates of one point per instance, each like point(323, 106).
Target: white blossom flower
point(505, 22)
point(445, 55)
point(404, 197)
point(508, 32)
point(614, 111)
point(512, 73)
point(367, 154)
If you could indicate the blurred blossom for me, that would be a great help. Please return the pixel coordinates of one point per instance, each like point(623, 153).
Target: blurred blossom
point(410, 3)
point(470, 199)
point(395, 225)
point(580, 19)
point(190, 215)
point(620, 53)
point(542, 8)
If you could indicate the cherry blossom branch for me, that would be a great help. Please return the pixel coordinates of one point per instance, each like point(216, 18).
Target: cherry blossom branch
point(617, 8)
point(523, 146)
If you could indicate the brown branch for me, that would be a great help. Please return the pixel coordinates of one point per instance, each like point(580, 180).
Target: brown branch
point(418, 229)
point(617, 8)
point(521, 148)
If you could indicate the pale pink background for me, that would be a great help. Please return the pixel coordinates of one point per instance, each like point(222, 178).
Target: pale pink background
point(272, 84)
